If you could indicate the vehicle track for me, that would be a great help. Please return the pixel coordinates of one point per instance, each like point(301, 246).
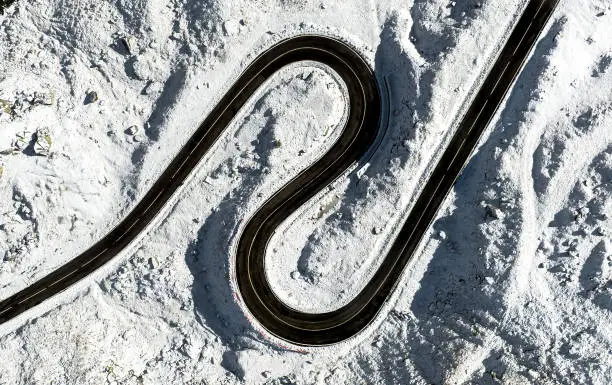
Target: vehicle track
point(358, 135)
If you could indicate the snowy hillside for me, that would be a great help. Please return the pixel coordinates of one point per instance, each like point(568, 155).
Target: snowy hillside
point(512, 285)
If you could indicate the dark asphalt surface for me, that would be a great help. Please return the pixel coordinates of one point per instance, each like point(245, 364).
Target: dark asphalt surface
point(358, 136)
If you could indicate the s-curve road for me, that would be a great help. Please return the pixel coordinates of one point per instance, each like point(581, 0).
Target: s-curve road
point(358, 136)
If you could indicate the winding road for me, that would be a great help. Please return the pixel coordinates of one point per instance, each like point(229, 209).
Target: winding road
point(359, 134)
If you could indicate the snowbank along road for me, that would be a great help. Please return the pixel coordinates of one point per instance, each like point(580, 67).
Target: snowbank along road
point(359, 134)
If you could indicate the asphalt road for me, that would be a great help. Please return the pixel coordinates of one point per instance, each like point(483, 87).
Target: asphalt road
point(358, 135)
point(328, 328)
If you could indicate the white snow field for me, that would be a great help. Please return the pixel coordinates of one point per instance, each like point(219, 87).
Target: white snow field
point(512, 285)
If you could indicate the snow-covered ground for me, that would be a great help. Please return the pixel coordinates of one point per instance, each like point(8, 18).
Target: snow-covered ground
point(513, 284)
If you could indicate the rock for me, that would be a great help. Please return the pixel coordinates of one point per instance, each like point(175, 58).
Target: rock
point(5, 106)
point(494, 212)
point(21, 141)
point(132, 130)
point(152, 88)
point(91, 97)
point(130, 44)
point(231, 27)
point(307, 76)
point(585, 120)
point(42, 146)
point(601, 231)
point(581, 214)
point(143, 68)
point(44, 98)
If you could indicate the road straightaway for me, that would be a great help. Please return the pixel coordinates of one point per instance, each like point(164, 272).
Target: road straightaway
point(358, 136)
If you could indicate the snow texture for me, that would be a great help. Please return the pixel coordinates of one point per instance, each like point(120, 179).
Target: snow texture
point(511, 285)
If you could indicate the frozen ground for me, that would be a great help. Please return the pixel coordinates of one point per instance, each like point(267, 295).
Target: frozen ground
point(512, 286)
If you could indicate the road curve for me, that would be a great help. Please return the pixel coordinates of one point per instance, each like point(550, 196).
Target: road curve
point(358, 135)
point(331, 327)
point(359, 132)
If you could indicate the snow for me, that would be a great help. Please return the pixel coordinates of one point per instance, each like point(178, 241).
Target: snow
point(512, 284)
